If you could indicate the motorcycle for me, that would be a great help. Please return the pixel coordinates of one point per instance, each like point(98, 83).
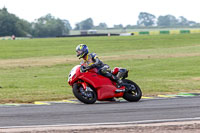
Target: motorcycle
point(88, 86)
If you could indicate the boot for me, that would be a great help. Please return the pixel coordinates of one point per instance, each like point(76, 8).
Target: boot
point(113, 78)
point(119, 83)
point(117, 80)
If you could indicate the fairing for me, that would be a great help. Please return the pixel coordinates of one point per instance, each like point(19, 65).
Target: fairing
point(104, 87)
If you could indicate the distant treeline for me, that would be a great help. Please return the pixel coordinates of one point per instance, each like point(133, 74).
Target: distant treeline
point(49, 26)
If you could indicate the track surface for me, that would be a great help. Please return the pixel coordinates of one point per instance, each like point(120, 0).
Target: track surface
point(108, 112)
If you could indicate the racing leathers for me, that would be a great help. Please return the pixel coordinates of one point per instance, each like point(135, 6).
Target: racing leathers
point(92, 61)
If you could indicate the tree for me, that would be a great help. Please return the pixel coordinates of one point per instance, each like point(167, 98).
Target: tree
point(101, 26)
point(85, 24)
point(77, 27)
point(119, 26)
point(167, 21)
point(67, 24)
point(193, 23)
point(12, 25)
point(49, 26)
point(182, 21)
point(146, 19)
point(131, 26)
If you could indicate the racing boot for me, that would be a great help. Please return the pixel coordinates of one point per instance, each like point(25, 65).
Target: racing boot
point(118, 81)
point(113, 78)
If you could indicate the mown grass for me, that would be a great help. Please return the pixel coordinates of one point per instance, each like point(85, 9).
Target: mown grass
point(159, 64)
point(66, 46)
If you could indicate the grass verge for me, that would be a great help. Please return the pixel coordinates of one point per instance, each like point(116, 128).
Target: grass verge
point(37, 69)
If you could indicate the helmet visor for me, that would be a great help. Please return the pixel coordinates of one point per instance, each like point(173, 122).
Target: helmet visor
point(78, 52)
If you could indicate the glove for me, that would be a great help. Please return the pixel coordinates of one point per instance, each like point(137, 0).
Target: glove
point(83, 69)
point(88, 67)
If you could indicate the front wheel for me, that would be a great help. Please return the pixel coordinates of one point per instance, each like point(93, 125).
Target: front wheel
point(132, 95)
point(87, 97)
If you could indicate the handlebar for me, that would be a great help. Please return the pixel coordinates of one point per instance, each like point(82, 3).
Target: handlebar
point(83, 68)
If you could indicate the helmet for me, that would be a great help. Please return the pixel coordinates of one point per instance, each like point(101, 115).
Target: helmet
point(81, 50)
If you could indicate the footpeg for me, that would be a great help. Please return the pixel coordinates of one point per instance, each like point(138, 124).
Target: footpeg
point(119, 90)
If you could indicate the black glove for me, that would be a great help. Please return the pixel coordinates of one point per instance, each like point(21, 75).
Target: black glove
point(88, 67)
point(83, 69)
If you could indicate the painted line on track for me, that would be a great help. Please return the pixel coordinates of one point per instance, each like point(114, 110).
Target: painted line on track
point(166, 96)
point(70, 101)
point(41, 103)
point(148, 97)
point(107, 123)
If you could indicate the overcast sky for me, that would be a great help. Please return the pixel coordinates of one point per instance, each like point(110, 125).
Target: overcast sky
point(109, 11)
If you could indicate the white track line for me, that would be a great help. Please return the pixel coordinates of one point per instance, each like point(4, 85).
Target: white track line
point(106, 123)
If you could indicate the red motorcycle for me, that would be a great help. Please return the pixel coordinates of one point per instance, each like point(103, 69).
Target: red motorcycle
point(88, 86)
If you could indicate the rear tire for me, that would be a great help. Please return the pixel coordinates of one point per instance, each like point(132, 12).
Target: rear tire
point(132, 96)
point(77, 93)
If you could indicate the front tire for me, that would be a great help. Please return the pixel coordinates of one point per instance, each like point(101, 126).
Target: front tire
point(132, 95)
point(84, 96)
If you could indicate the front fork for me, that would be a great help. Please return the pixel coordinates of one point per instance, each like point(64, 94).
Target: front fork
point(86, 91)
point(84, 84)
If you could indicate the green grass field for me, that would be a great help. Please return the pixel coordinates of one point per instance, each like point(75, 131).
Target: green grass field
point(37, 69)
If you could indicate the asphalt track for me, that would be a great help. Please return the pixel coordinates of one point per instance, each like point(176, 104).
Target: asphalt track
point(144, 111)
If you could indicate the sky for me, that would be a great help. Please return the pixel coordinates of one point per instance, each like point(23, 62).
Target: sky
point(108, 11)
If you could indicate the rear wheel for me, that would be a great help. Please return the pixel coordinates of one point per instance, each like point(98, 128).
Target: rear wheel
point(87, 97)
point(132, 95)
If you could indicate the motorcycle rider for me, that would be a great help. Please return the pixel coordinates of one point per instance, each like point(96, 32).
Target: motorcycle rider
point(92, 61)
